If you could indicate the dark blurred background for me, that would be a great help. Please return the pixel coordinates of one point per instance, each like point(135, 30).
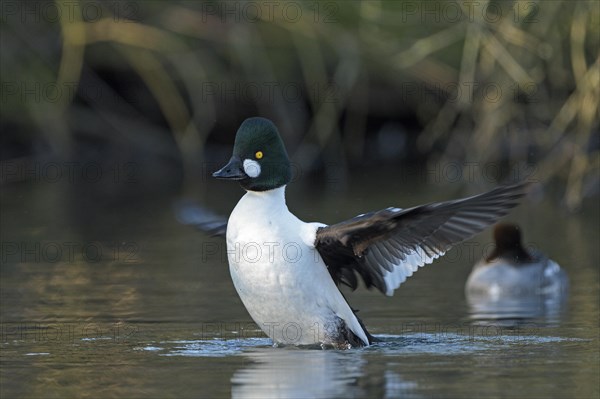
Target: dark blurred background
point(153, 92)
point(112, 112)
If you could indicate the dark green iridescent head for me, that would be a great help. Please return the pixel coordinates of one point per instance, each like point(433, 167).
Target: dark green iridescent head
point(260, 161)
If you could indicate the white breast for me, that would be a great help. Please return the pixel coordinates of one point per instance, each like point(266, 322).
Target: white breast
point(279, 275)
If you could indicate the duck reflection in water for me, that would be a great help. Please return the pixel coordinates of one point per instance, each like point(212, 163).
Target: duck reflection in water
point(306, 373)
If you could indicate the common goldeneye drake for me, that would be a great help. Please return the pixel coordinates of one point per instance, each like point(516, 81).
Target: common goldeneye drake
point(511, 271)
point(287, 271)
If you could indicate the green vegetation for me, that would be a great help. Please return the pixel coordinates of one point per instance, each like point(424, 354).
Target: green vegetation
point(504, 82)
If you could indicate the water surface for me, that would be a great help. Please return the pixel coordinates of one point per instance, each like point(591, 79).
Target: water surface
point(122, 301)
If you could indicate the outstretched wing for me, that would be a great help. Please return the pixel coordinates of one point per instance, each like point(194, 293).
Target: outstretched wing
point(190, 213)
point(387, 246)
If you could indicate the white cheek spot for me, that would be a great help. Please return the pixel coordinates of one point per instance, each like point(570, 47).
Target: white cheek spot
point(252, 168)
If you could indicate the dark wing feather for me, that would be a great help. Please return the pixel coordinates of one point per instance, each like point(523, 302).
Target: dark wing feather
point(190, 213)
point(387, 246)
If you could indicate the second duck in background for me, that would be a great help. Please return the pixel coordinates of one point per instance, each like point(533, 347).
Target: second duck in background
point(512, 271)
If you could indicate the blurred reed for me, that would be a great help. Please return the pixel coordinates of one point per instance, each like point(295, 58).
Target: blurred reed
point(517, 83)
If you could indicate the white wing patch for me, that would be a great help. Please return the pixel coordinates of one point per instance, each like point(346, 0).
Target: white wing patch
point(251, 168)
point(395, 265)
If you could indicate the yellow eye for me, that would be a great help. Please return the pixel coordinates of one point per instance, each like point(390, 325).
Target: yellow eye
point(258, 154)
